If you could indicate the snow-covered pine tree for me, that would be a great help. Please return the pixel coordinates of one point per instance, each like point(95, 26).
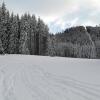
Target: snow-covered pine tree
point(42, 34)
point(52, 47)
point(14, 35)
point(32, 34)
point(4, 17)
point(23, 48)
point(1, 48)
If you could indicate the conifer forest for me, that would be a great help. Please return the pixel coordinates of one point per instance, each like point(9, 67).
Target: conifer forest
point(29, 35)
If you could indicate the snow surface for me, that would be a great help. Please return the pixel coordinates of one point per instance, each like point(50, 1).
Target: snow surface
point(48, 78)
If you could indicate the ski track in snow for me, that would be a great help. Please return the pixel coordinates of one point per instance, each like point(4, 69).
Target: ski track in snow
point(43, 85)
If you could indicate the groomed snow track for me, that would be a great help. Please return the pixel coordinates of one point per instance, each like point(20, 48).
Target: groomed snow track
point(46, 78)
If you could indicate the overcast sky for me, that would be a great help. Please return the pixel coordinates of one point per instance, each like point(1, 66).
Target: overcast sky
point(59, 14)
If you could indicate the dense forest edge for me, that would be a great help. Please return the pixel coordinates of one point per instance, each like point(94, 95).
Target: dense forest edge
point(30, 35)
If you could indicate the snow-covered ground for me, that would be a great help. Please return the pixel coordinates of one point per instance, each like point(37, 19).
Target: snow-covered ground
point(48, 78)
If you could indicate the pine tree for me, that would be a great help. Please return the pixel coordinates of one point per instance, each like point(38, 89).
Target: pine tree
point(23, 48)
point(32, 34)
point(42, 34)
point(14, 33)
point(3, 27)
point(52, 47)
point(1, 48)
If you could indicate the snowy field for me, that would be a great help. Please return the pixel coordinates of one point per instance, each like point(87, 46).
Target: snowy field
point(48, 78)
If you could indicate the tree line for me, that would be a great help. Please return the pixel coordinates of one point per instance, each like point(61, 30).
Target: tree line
point(30, 35)
point(78, 42)
point(22, 35)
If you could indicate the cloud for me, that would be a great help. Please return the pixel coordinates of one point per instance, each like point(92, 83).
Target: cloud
point(59, 14)
point(85, 13)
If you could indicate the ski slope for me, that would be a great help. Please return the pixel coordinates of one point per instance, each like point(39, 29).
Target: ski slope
point(48, 78)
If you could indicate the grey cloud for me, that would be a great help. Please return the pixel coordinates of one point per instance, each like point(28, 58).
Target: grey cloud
point(63, 9)
point(84, 14)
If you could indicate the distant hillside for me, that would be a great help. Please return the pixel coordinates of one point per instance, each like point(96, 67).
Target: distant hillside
point(78, 42)
point(95, 35)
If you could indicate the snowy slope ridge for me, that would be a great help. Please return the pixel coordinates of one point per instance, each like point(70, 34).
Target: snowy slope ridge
point(48, 78)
